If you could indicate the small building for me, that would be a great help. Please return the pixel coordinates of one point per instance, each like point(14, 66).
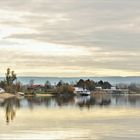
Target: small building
point(35, 88)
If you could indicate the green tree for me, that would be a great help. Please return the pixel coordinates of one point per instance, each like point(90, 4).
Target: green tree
point(100, 83)
point(60, 83)
point(107, 85)
point(90, 84)
point(47, 85)
point(81, 83)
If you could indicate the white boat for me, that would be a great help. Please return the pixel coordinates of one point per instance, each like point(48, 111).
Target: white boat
point(85, 92)
point(81, 99)
point(81, 91)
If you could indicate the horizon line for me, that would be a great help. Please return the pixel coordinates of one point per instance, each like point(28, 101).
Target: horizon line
point(74, 76)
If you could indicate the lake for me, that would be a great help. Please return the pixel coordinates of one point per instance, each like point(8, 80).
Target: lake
point(70, 118)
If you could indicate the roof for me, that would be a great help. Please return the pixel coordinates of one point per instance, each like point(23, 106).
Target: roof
point(35, 86)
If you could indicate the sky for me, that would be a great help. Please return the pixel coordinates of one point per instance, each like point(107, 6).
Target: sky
point(70, 38)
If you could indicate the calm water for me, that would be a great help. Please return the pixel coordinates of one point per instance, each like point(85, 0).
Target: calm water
point(73, 118)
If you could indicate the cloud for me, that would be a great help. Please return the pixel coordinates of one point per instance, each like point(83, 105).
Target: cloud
point(80, 37)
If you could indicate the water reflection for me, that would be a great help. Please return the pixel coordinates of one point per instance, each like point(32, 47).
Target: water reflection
point(130, 100)
point(68, 101)
point(87, 101)
point(11, 105)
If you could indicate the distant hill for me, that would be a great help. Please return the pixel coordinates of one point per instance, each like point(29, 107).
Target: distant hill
point(53, 80)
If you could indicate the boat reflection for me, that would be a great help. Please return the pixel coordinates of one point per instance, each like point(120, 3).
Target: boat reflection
point(89, 101)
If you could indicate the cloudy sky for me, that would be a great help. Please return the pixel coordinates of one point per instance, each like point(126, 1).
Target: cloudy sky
point(70, 37)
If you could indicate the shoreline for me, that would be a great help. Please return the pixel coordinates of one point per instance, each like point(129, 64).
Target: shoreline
point(7, 95)
point(44, 95)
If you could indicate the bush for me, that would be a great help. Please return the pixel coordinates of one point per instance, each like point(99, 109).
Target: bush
point(134, 88)
point(64, 89)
